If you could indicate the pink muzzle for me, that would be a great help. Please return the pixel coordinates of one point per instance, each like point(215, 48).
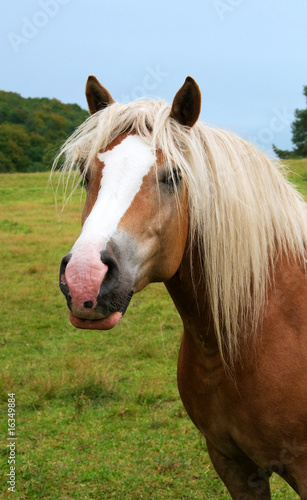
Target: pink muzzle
point(98, 286)
point(83, 276)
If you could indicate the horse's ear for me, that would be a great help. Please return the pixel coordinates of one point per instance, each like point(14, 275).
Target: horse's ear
point(186, 104)
point(96, 95)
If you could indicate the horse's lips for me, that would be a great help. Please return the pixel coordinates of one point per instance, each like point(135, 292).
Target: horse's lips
point(96, 324)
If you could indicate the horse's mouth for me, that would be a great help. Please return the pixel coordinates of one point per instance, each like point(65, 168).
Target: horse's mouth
point(95, 324)
point(103, 323)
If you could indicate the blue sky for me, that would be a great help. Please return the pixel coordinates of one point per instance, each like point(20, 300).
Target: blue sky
point(249, 57)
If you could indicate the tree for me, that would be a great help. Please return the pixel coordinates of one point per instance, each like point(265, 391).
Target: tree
point(14, 143)
point(299, 135)
point(299, 129)
point(32, 130)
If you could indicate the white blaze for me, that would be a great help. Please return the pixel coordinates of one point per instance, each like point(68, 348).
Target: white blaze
point(124, 169)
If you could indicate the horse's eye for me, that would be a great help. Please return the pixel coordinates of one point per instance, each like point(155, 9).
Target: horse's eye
point(171, 179)
point(84, 176)
point(85, 181)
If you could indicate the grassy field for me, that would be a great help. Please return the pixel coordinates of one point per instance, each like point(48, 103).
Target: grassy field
point(98, 415)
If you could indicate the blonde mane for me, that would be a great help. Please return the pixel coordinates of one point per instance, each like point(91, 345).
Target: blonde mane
point(243, 211)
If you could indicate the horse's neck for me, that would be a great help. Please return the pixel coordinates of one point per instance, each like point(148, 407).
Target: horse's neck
point(188, 292)
point(284, 315)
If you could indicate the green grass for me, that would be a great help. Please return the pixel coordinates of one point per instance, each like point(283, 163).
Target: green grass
point(298, 174)
point(98, 413)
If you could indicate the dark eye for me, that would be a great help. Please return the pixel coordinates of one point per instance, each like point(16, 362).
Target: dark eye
point(84, 176)
point(85, 180)
point(171, 179)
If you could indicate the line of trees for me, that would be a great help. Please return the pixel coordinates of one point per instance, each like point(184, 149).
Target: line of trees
point(32, 130)
point(299, 135)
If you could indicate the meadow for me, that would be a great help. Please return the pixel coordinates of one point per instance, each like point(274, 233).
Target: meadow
point(98, 414)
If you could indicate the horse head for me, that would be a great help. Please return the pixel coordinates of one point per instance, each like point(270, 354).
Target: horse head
point(134, 222)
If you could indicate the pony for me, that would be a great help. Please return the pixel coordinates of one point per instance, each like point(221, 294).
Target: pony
point(171, 199)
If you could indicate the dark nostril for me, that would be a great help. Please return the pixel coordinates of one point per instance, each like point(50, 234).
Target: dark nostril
point(64, 263)
point(88, 304)
point(112, 277)
point(63, 284)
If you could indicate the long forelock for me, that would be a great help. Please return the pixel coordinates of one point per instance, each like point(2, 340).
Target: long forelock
point(243, 212)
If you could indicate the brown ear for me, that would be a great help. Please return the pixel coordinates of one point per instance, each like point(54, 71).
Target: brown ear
point(96, 95)
point(186, 103)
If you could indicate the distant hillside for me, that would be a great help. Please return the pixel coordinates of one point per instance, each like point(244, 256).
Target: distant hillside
point(31, 131)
